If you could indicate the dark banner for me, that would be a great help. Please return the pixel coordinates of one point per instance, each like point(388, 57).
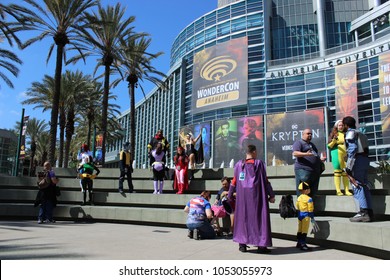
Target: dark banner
point(226, 146)
point(384, 94)
point(285, 128)
point(23, 139)
point(346, 91)
point(220, 76)
point(202, 130)
point(232, 137)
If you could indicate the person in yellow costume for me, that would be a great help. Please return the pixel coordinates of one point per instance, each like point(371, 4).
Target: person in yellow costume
point(305, 207)
point(338, 154)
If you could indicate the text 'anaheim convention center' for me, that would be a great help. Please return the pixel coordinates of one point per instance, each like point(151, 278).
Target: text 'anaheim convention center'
point(259, 71)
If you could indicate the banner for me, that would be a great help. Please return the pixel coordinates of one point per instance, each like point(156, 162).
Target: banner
point(23, 139)
point(203, 131)
point(220, 76)
point(226, 146)
point(99, 151)
point(346, 91)
point(284, 129)
point(384, 95)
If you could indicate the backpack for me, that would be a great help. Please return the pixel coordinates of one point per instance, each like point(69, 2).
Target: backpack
point(286, 207)
point(43, 180)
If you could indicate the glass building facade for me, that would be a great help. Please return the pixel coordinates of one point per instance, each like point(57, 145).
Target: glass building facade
point(293, 49)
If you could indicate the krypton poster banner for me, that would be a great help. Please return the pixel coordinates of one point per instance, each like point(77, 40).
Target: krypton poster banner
point(220, 76)
point(284, 129)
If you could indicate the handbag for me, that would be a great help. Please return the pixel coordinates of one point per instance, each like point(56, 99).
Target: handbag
point(219, 211)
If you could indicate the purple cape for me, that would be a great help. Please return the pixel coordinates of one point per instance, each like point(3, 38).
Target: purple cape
point(252, 225)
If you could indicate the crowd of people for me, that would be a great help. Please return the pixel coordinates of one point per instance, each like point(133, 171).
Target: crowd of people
point(245, 198)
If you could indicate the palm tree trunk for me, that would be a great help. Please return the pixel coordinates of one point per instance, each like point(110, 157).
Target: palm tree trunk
point(62, 136)
point(132, 120)
point(105, 109)
point(69, 134)
point(55, 106)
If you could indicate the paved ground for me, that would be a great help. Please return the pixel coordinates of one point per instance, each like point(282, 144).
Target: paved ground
point(26, 240)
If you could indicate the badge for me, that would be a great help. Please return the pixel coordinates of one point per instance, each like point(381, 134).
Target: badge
point(242, 176)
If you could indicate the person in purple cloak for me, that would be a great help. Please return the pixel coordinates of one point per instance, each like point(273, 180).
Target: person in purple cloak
point(252, 223)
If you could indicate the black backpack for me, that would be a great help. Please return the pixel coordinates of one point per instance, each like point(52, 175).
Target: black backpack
point(286, 207)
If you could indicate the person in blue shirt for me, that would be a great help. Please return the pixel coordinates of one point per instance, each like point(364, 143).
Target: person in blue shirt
point(199, 216)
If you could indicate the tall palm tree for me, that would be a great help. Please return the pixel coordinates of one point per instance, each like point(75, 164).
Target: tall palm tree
point(35, 128)
point(109, 28)
point(58, 19)
point(137, 66)
point(8, 59)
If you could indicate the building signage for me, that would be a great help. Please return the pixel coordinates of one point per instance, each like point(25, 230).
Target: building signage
point(384, 95)
point(220, 76)
point(328, 64)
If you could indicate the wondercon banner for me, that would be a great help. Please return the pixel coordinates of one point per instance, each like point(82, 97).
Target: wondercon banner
point(220, 76)
point(384, 95)
point(285, 128)
point(346, 91)
point(203, 131)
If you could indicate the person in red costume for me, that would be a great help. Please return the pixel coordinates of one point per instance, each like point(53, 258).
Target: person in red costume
point(181, 171)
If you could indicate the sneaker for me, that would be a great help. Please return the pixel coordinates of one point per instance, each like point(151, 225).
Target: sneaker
point(304, 247)
point(196, 234)
point(263, 250)
point(47, 221)
point(360, 217)
point(242, 248)
point(120, 191)
point(190, 234)
point(40, 221)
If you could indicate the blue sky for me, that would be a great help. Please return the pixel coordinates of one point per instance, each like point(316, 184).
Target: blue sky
point(163, 20)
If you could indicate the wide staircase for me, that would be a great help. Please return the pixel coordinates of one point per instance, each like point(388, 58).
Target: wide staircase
point(17, 196)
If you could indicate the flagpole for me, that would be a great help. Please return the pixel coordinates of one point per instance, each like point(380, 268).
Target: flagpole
point(16, 167)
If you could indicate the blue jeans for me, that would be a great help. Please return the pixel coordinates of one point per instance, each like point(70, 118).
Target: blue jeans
point(361, 194)
point(310, 177)
point(46, 211)
point(205, 229)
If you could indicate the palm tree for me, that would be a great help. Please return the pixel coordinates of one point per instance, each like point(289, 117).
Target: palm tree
point(8, 59)
point(35, 128)
point(108, 30)
point(136, 62)
point(59, 19)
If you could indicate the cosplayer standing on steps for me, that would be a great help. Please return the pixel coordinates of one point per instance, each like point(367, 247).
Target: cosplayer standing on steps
point(190, 148)
point(181, 171)
point(252, 223)
point(87, 177)
point(357, 168)
point(83, 154)
point(158, 164)
point(125, 167)
point(158, 138)
point(338, 154)
point(46, 196)
point(199, 216)
point(305, 209)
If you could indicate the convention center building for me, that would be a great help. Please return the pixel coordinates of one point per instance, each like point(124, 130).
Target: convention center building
point(261, 71)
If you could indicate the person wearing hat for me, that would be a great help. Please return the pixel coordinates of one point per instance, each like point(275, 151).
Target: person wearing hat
point(338, 153)
point(305, 207)
point(125, 167)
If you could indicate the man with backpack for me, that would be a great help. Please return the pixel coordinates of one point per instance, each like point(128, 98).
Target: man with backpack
point(357, 168)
